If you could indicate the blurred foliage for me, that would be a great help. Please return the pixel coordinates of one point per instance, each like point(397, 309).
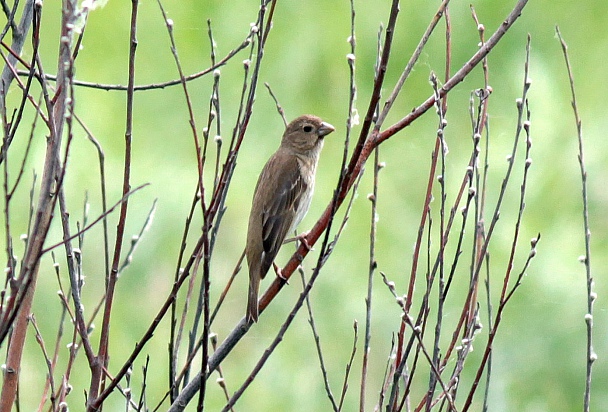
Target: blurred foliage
point(539, 356)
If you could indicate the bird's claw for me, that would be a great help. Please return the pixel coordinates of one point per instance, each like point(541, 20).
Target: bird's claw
point(302, 238)
point(279, 273)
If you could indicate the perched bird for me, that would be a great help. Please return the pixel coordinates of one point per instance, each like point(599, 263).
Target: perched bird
point(282, 197)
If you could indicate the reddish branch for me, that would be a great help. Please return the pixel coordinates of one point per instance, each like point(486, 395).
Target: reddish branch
point(19, 304)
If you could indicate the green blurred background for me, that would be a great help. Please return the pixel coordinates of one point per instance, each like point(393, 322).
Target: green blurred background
point(539, 357)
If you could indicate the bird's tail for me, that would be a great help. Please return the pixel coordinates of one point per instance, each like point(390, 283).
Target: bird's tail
point(252, 300)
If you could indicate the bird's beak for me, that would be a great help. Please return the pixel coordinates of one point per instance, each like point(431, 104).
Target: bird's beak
point(325, 129)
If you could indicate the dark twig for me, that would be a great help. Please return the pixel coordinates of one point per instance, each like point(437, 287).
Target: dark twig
point(98, 377)
point(276, 101)
point(141, 405)
point(353, 116)
point(176, 331)
point(154, 86)
point(410, 64)
point(221, 381)
point(47, 359)
point(481, 125)
point(349, 365)
point(317, 339)
point(101, 217)
point(443, 149)
point(104, 202)
point(58, 346)
point(10, 17)
point(19, 36)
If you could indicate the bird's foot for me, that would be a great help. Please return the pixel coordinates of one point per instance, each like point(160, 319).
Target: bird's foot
point(302, 238)
point(279, 273)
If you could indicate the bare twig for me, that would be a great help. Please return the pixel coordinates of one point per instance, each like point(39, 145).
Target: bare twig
point(317, 339)
point(221, 381)
point(155, 86)
point(410, 64)
point(176, 331)
point(373, 265)
point(19, 35)
point(349, 365)
point(505, 294)
point(47, 359)
point(98, 377)
point(276, 101)
point(440, 254)
point(586, 259)
point(102, 217)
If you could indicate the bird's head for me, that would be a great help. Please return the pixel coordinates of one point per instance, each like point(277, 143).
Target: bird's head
point(305, 134)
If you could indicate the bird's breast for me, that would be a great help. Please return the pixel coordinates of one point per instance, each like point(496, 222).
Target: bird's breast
point(307, 170)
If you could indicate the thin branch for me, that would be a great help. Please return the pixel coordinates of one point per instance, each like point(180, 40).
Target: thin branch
point(154, 86)
point(505, 295)
point(373, 265)
point(47, 359)
point(317, 339)
point(19, 36)
point(586, 259)
point(97, 220)
point(98, 377)
point(410, 64)
point(349, 365)
point(276, 101)
point(458, 77)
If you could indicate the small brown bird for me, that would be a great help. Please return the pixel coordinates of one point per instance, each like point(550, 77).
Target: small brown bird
point(282, 197)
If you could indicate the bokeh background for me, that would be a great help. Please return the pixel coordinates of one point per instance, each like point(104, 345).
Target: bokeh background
point(539, 357)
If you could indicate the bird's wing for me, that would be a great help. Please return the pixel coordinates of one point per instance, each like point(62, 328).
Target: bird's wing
point(279, 210)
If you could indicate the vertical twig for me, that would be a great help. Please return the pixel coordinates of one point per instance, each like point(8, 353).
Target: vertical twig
point(373, 266)
point(522, 125)
point(586, 259)
point(47, 359)
point(481, 125)
point(440, 105)
point(104, 201)
point(221, 380)
point(200, 162)
point(317, 339)
point(98, 376)
point(349, 365)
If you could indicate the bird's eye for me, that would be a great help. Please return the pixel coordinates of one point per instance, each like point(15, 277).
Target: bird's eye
point(307, 128)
